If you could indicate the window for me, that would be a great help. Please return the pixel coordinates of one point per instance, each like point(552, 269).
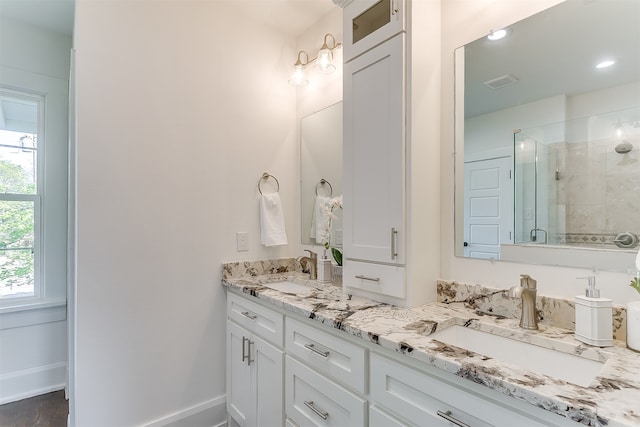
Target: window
point(20, 194)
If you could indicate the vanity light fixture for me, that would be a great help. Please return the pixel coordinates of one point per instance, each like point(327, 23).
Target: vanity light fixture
point(298, 77)
point(323, 62)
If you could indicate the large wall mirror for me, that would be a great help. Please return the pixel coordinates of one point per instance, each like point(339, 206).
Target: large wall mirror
point(321, 175)
point(548, 138)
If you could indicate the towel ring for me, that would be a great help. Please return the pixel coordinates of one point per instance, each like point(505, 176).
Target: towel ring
point(266, 176)
point(323, 182)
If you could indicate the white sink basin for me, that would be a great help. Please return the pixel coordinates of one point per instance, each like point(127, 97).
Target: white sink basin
point(556, 364)
point(289, 287)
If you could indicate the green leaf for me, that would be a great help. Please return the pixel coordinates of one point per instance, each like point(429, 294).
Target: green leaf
point(337, 255)
point(635, 284)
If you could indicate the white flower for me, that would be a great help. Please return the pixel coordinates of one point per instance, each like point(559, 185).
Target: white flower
point(329, 214)
point(638, 260)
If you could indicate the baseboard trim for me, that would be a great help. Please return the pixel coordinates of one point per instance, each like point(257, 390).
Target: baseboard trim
point(31, 382)
point(211, 413)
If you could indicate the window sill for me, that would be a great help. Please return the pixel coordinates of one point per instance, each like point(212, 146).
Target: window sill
point(32, 313)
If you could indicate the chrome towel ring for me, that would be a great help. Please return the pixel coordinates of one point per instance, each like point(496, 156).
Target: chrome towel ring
point(265, 177)
point(322, 183)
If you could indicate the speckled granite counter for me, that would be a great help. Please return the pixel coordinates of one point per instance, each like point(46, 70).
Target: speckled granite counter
point(613, 398)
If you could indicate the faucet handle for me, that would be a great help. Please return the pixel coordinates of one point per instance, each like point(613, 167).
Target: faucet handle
point(527, 281)
point(312, 255)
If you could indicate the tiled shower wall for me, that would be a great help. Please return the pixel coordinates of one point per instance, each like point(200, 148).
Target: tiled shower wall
point(597, 192)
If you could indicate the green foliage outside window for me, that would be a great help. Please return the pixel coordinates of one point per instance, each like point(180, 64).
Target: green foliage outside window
point(16, 228)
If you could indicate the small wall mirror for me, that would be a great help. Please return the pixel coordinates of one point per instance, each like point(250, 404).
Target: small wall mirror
point(321, 174)
point(548, 138)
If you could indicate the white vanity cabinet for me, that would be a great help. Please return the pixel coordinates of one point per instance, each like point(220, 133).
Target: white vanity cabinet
point(391, 151)
point(373, 148)
point(368, 23)
point(284, 370)
point(255, 361)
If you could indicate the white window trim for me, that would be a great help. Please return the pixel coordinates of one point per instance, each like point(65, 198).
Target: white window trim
point(49, 302)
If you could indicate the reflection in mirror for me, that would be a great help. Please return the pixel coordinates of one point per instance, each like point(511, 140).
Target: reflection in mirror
point(321, 175)
point(550, 168)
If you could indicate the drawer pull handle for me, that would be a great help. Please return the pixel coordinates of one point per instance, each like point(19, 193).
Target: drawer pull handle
point(313, 348)
point(373, 279)
point(447, 416)
point(249, 315)
point(309, 404)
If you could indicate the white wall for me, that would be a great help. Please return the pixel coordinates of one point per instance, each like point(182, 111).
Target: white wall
point(182, 106)
point(464, 21)
point(33, 337)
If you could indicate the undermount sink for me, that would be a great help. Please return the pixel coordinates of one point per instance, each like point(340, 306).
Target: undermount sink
point(289, 287)
point(564, 366)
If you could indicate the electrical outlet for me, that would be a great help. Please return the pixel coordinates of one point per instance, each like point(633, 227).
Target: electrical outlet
point(242, 241)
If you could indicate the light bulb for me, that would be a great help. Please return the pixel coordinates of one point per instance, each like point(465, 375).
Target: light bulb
point(298, 78)
point(605, 64)
point(497, 35)
point(324, 62)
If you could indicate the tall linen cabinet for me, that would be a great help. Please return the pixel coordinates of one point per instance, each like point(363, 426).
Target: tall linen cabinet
point(391, 149)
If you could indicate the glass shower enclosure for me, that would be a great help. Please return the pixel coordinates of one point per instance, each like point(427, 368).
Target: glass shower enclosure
point(577, 182)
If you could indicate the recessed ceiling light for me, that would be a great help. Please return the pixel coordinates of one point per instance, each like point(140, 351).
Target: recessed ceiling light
point(497, 35)
point(605, 64)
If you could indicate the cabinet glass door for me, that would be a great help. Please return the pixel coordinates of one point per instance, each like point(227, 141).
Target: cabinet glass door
point(377, 16)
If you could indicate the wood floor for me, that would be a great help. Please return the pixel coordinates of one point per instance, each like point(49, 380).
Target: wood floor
point(47, 410)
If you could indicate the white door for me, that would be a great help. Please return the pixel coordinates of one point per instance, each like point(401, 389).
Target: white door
point(488, 212)
point(267, 362)
point(238, 375)
point(374, 154)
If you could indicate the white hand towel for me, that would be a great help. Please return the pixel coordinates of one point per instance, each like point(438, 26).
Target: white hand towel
point(272, 220)
point(319, 218)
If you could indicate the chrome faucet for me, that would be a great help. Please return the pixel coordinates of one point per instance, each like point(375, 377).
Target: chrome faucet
point(312, 262)
point(527, 292)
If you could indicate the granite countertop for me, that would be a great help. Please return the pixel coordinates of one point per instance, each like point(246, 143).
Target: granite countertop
point(613, 398)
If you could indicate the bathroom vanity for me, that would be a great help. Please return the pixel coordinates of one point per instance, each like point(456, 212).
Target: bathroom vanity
point(300, 353)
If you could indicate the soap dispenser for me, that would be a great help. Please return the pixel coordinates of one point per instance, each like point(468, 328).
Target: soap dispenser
point(324, 269)
point(594, 316)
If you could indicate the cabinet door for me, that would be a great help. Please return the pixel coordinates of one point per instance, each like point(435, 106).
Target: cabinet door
point(238, 375)
point(367, 23)
point(374, 154)
point(268, 380)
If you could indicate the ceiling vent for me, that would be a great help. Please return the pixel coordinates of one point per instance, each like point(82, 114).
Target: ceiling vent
point(502, 81)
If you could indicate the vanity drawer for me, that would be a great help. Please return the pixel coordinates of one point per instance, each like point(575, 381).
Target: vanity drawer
point(262, 321)
point(378, 278)
point(333, 357)
point(418, 397)
point(313, 400)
